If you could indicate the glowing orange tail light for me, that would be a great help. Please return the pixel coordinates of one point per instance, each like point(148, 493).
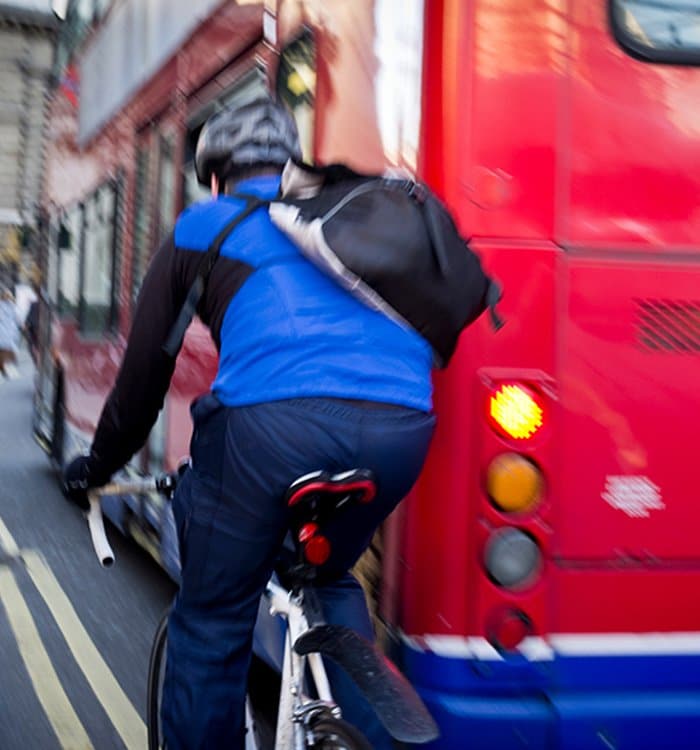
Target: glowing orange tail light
point(514, 483)
point(516, 411)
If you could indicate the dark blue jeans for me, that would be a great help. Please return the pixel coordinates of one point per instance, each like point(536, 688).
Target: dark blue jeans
point(232, 519)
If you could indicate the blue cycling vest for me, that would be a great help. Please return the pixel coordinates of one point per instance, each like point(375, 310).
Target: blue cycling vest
point(292, 332)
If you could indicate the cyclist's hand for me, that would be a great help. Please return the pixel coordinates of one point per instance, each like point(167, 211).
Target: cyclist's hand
point(78, 478)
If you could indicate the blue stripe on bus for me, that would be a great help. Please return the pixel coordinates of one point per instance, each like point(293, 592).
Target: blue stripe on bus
point(569, 703)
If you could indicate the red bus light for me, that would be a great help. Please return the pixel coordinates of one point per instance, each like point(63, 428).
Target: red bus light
point(516, 411)
point(508, 628)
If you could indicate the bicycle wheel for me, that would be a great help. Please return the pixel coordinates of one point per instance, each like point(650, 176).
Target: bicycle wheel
point(336, 734)
point(156, 674)
point(259, 733)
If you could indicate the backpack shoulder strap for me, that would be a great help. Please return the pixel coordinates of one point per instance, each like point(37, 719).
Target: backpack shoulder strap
point(177, 333)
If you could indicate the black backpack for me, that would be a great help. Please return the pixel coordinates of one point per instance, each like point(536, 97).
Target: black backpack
point(390, 242)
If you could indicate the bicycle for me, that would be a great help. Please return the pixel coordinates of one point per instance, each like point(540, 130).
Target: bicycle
point(306, 714)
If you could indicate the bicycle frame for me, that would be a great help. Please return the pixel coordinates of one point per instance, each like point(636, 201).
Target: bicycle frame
point(295, 707)
point(307, 639)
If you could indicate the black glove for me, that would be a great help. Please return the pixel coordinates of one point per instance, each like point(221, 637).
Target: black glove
point(78, 478)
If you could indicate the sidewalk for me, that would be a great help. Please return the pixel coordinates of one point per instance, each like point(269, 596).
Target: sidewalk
point(16, 413)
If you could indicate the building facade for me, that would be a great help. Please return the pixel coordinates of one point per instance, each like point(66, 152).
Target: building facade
point(27, 35)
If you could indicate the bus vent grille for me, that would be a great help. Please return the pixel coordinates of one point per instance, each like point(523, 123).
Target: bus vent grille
point(669, 325)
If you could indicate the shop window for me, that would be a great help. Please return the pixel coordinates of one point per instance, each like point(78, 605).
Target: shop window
point(52, 279)
point(250, 86)
point(397, 90)
point(296, 87)
point(96, 300)
point(192, 191)
point(165, 195)
point(141, 228)
point(69, 251)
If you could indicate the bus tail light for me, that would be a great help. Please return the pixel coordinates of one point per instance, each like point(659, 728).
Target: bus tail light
point(516, 411)
point(512, 558)
point(508, 627)
point(514, 483)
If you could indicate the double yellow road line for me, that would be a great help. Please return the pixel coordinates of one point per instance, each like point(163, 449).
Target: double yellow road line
point(68, 728)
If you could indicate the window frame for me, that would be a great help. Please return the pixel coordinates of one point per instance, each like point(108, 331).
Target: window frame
point(643, 52)
point(167, 160)
point(117, 250)
point(141, 235)
point(71, 312)
point(307, 137)
point(111, 319)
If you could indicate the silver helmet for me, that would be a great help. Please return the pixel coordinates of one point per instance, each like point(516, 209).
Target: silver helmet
point(260, 132)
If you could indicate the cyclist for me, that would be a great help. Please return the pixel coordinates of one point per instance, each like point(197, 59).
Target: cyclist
point(308, 378)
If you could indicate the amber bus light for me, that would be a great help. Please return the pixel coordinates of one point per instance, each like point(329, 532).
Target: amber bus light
point(513, 483)
point(516, 411)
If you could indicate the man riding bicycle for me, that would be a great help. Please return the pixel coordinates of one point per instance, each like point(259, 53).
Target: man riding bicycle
point(308, 379)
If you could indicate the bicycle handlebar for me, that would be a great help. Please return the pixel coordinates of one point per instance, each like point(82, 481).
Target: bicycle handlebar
point(164, 484)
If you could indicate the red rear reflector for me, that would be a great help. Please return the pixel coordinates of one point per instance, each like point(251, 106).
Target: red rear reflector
point(307, 531)
point(508, 628)
point(516, 411)
point(317, 550)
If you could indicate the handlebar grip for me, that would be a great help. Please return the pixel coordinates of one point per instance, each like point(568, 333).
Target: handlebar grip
point(96, 525)
point(165, 484)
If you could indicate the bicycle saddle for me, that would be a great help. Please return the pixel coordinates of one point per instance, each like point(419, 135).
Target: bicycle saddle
point(356, 484)
point(315, 498)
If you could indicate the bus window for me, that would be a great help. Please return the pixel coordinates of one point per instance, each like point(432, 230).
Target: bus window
point(296, 87)
point(659, 31)
point(96, 296)
point(141, 231)
point(69, 241)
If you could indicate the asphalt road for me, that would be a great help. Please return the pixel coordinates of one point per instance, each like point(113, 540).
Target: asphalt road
point(74, 638)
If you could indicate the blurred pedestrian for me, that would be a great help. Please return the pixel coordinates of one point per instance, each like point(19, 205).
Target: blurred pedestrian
point(9, 333)
point(31, 329)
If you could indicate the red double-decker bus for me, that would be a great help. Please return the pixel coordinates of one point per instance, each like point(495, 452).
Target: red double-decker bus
point(542, 580)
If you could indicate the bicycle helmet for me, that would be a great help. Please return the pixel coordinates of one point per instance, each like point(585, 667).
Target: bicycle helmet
point(260, 132)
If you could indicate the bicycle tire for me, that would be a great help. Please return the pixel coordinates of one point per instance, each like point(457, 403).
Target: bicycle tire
point(336, 734)
point(155, 667)
point(264, 734)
